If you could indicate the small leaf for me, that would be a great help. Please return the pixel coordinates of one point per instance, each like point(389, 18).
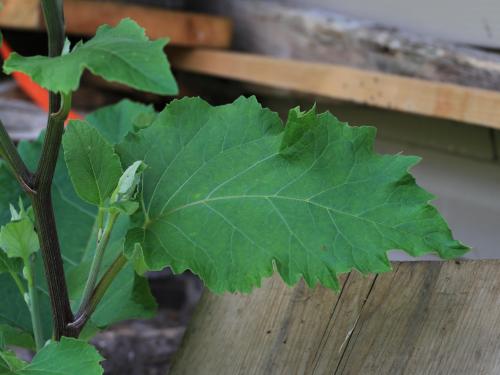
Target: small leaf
point(18, 239)
point(93, 166)
point(119, 54)
point(128, 182)
point(69, 356)
point(115, 121)
point(133, 250)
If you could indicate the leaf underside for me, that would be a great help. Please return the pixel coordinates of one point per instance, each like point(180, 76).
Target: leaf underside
point(232, 194)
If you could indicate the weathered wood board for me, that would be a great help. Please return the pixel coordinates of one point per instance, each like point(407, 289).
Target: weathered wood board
point(84, 17)
point(324, 31)
point(389, 91)
point(422, 318)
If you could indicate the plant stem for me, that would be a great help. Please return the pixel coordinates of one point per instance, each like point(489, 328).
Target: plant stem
point(52, 261)
point(34, 305)
point(41, 198)
point(87, 310)
point(102, 243)
point(9, 152)
point(100, 222)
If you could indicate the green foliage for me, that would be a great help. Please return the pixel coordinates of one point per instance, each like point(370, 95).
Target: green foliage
point(129, 296)
point(93, 166)
point(229, 192)
point(116, 121)
point(69, 356)
point(15, 337)
point(18, 239)
point(310, 199)
point(119, 54)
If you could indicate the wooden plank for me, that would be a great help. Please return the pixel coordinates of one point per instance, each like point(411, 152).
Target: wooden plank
point(297, 30)
point(439, 320)
point(20, 14)
point(84, 17)
point(453, 102)
point(184, 29)
point(422, 318)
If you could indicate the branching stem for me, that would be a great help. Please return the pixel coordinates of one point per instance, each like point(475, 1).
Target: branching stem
point(9, 152)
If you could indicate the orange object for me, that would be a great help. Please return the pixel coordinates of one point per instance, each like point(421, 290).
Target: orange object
point(36, 93)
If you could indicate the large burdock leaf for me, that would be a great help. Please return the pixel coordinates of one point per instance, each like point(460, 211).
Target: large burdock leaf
point(120, 54)
point(232, 194)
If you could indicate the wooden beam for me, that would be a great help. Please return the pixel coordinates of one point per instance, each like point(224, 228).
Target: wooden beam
point(435, 99)
point(183, 29)
point(84, 17)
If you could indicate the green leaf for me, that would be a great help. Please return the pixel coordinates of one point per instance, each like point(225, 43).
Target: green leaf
point(92, 163)
point(9, 363)
point(18, 239)
point(133, 250)
point(16, 337)
point(69, 356)
point(232, 194)
point(119, 54)
point(123, 197)
point(114, 122)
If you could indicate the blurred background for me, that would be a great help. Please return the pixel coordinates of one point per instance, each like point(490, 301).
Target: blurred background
point(425, 74)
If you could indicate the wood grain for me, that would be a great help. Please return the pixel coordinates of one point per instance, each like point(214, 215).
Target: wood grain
point(453, 102)
point(84, 17)
point(422, 318)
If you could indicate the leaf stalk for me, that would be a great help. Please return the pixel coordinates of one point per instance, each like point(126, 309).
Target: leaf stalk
point(102, 243)
point(87, 310)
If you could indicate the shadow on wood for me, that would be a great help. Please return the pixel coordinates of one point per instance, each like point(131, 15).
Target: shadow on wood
point(422, 318)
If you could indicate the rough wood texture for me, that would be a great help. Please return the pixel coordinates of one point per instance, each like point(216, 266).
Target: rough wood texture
point(473, 25)
point(422, 318)
point(388, 91)
point(313, 33)
point(84, 17)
